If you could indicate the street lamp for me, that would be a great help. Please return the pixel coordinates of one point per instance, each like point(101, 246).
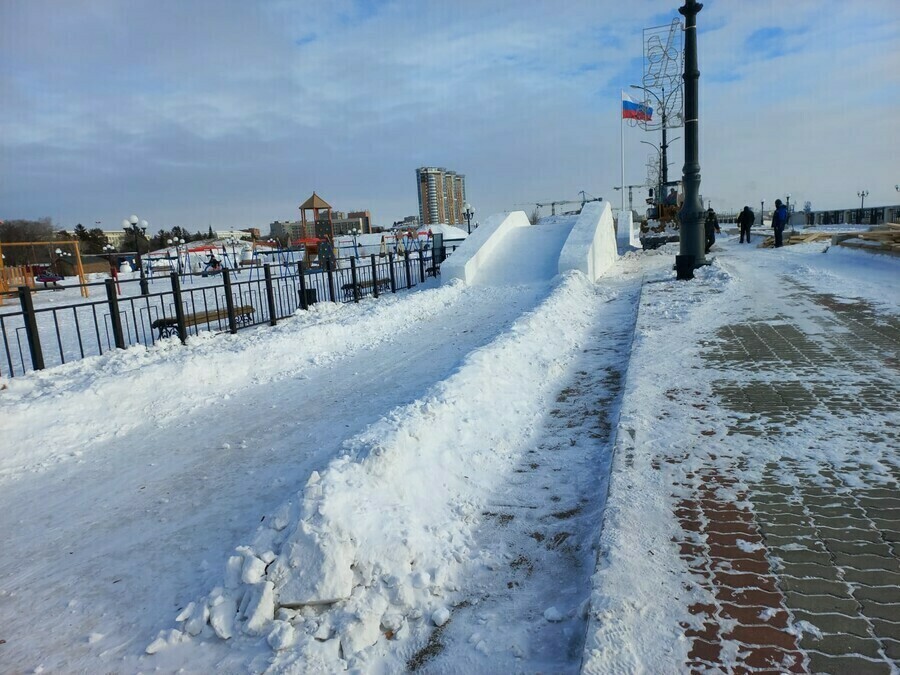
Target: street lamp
point(469, 212)
point(233, 242)
point(862, 194)
point(762, 210)
point(130, 225)
point(691, 241)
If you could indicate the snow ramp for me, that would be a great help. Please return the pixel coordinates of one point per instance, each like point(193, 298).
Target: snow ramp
point(508, 249)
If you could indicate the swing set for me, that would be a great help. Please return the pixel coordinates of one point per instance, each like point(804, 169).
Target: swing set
point(23, 275)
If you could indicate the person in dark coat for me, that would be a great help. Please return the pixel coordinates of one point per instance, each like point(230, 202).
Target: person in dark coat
point(711, 225)
point(779, 221)
point(745, 220)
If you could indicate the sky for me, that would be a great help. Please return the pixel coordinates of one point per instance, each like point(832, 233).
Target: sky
point(231, 113)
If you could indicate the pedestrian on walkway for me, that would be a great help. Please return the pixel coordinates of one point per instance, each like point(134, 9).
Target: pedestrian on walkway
point(779, 220)
point(711, 225)
point(745, 220)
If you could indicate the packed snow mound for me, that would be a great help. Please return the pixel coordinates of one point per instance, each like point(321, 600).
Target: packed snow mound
point(377, 540)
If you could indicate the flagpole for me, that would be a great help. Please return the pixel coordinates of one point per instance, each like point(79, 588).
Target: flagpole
point(622, 145)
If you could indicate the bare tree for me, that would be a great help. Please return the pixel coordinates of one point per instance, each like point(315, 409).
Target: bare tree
point(535, 216)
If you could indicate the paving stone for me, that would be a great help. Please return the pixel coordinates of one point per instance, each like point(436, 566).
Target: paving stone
point(842, 644)
point(875, 494)
point(807, 570)
point(885, 629)
point(766, 510)
point(879, 502)
point(866, 562)
point(786, 531)
point(878, 548)
point(883, 513)
point(801, 556)
point(768, 659)
point(846, 665)
point(731, 539)
point(834, 538)
point(821, 604)
point(835, 623)
point(763, 636)
point(741, 565)
point(877, 610)
point(883, 594)
point(767, 520)
point(748, 596)
point(814, 586)
point(780, 542)
point(843, 522)
point(752, 616)
point(856, 512)
point(871, 577)
point(892, 650)
point(705, 651)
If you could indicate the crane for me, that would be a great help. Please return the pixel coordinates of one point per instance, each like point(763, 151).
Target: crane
point(561, 202)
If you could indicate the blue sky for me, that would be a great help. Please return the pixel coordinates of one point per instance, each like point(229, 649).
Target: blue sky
point(232, 113)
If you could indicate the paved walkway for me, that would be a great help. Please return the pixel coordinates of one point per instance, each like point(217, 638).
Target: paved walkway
point(754, 514)
point(802, 562)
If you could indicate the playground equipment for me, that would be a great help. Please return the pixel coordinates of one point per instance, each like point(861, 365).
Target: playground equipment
point(51, 246)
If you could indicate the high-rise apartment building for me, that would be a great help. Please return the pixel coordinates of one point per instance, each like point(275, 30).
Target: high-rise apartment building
point(442, 196)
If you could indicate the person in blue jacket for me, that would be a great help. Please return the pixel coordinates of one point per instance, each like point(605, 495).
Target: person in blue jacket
point(779, 220)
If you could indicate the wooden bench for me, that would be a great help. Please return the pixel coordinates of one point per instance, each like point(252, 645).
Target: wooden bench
point(383, 285)
point(168, 326)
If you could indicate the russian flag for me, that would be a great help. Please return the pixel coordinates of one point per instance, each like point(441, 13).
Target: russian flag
point(635, 111)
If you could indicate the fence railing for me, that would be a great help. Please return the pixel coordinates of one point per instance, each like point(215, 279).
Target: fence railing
point(34, 338)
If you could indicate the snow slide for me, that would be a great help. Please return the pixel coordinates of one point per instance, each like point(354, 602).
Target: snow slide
point(378, 539)
point(508, 249)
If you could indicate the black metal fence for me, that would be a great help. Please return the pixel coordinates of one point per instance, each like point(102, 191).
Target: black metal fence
point(34, 338)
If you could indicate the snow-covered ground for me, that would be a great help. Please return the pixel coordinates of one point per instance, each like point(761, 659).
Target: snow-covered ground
point(412, 483)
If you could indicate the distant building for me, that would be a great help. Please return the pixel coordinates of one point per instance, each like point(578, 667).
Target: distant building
point(365, 219)
point(115, 237)
point(292, 230)
point(442, 196)
point(344, 223)
point(228, 234)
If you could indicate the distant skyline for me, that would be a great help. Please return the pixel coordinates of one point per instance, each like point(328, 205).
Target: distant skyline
point(232, 113)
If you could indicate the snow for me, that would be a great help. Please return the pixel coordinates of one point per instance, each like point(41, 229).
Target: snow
point(367, 485)
point(591, 245)
point(477, 251)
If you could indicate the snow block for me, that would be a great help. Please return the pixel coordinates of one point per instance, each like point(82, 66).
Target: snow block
point(313, 569)
point(591, 245)
point(627, 235)
point(479, 247)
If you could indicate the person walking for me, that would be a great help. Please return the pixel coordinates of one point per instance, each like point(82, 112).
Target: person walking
point(711, 225)
point(779, 221)
point(745, 220)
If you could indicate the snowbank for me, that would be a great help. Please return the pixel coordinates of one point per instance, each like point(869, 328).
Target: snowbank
point(591, 245)
point(377, 540)
point(213, 364)
point(481, 246)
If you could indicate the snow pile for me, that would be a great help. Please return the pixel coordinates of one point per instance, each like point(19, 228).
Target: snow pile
point(377, 540)
point(482, 246)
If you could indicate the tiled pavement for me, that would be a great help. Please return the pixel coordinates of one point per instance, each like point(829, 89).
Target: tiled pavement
point(800, 556)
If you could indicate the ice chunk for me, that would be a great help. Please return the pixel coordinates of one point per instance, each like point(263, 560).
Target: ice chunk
point(440, 616)
point(282, 636)
point(261, 610)
point(312, 569)
point(221, 616)
point(552, 614)
point(253, 571)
